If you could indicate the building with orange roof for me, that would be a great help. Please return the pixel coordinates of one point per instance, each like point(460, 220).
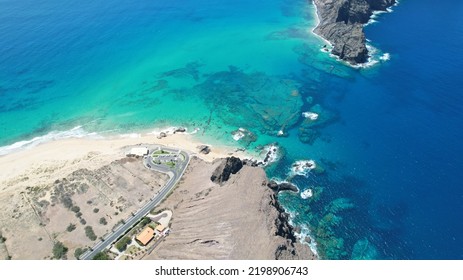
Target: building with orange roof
point(160, 228)
point(145, 236)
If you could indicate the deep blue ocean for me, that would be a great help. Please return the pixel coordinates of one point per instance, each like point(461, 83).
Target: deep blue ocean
point(387, 142)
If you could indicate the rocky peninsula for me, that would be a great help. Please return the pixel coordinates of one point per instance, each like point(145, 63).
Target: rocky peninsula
point(227, 209)
point(342, 22)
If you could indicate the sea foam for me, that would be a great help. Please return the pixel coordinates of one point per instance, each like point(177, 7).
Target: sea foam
point(76, 132)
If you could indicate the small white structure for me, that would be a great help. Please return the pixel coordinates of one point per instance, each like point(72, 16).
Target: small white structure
point(138, 151)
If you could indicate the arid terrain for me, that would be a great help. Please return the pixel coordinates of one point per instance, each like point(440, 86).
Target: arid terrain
point(73, 192)
point(235, 220)
point(37, 216)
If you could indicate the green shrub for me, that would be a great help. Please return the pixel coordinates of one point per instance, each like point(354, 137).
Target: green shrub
point(59, 250)
point(103, 221)
point(90, 233)
point(101, 256)
point(121, 245)
point(67, 202)
point(145, 221)
point(75, 209)
point(71, 227)
point(78, 252)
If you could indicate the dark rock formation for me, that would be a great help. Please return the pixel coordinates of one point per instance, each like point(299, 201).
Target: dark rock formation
point(250, 162)
point(272, 103)
point(284, 186)
point(180, 129)
point(204, 149)
point(230, 165)
point(341, 23)
point(291, 249)
point(162, 135)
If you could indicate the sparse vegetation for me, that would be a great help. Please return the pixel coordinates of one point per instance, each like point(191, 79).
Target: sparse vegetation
point(71, 227)
point(67, 202)
point(121, 245)
point(59, 250)
point(79, 214)
point(78, 252)
point(145, 221)
point(90, 233)
point(158, 211)
point(96, 210)
point(101, 256)
point(103, 221)
point(83, 221)
point(160, 152)
point(75, 209)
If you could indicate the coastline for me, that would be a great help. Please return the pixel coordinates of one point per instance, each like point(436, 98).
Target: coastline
point(371, 50)
point(37, 167)
point(90, 152)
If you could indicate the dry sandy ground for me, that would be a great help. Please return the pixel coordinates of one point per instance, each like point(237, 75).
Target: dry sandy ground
point(233, 221)
point(34, 218)
point(40, 164)
point(35, 183)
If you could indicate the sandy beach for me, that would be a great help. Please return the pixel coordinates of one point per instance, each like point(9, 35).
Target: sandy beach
point(60, 189)
point(49, 161)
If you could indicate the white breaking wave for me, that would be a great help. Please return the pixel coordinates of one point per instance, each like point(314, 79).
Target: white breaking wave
point(302, 167)
point(305, 235)
point(76, 132)
point(385, 57)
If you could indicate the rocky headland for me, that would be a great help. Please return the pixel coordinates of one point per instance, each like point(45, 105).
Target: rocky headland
point(342, 22)
point(232, 214)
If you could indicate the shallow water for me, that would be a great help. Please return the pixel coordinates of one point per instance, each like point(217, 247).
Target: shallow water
point(387, 137)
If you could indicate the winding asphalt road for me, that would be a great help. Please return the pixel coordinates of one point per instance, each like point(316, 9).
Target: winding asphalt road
point(174, 175)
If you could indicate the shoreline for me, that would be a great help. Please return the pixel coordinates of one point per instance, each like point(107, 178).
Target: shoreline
point(53, 161)
point(371, 49)
point(42, 161)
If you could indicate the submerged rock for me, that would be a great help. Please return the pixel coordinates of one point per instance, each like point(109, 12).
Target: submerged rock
point(314, 119)
point(364, 250)
point(307, 135)
point(244, 135)
point(253, 100)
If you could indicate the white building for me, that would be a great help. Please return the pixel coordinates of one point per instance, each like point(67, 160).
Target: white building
point(138, 151)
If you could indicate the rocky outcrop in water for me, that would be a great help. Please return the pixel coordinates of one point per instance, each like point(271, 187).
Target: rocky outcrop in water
point(341, 23)
point(283, 186)
point(230, 165)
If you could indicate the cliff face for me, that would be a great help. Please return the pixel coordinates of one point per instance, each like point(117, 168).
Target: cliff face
point(237, 218)
point(341, 23)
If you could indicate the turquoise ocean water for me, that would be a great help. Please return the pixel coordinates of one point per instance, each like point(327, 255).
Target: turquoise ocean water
point(387, 137)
